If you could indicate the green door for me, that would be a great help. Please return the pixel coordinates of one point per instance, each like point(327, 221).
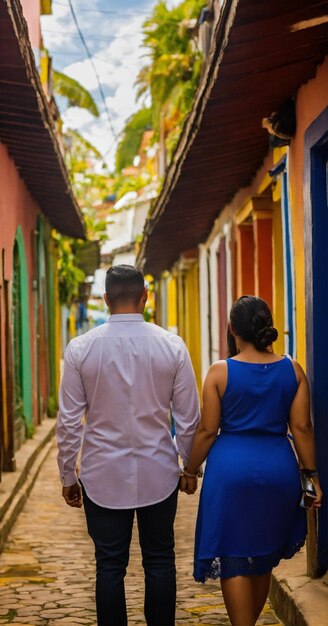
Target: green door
point(21, 342)
point(19, 424)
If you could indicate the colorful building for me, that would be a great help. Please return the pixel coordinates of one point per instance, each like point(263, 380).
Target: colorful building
point(35, 197)
point(246, 209)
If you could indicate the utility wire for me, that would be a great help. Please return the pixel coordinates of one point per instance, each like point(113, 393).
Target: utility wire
point(101, 91)
point(92, 35)
point(129, 12)
point(68, 53)
point(111, 12)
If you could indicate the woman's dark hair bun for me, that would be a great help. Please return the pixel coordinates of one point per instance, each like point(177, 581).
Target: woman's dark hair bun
point(251, 319)
point(265, 337)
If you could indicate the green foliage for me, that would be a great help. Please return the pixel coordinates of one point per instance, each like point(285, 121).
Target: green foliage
point(172, 76)
point(30, 431)
point(52, 407)
point(69, 275)
point(124, 184)
point(74, 92)
point(81, 145)
point(133, 131)
point(83, 162)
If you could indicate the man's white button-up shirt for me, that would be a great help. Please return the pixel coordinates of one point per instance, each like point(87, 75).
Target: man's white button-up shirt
point(125, 376)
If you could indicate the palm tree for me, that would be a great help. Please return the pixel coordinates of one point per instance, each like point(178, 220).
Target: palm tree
point(74, 92)
point(172, 76)
point(131, 137)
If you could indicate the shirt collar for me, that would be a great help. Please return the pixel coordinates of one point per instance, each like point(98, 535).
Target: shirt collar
point(126, 317)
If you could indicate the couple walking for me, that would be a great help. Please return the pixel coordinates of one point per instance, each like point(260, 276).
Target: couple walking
point(125, 376)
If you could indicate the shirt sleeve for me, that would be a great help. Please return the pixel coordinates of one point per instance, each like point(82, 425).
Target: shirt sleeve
point(185, 405)
point(72, 405)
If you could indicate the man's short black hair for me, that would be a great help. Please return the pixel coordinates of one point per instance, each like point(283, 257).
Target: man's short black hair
point(124, 283)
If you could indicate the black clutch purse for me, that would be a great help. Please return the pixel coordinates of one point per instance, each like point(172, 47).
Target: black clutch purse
point(308, 491)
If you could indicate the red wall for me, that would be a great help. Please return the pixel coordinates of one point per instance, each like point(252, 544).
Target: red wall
point(17, 208)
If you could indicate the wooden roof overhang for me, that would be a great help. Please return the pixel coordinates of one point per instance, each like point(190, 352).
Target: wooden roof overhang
point(27, 127)
point(257, 61)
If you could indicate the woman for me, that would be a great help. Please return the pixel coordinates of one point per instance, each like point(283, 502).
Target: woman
point(249, 515)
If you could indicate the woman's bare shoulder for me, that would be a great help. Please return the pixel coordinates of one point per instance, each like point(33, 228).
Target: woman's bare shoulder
point(218, 370)
point(217, 376)
point(299, 372)
point(218, 366)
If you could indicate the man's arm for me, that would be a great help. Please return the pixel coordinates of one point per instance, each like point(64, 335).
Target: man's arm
point(72, 404)
point(209, 424)
point(185, 404)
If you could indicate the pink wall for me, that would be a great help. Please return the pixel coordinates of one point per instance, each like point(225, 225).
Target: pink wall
point(17, 208)
point(31, 10)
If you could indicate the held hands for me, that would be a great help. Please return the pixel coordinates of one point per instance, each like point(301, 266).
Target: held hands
point(317, 502)
point(73, 495)
point(188, 482)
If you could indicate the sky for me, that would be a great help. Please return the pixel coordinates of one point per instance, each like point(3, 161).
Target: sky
point(113, 32)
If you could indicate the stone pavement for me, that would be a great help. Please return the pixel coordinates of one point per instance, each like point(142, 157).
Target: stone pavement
point(47, 567)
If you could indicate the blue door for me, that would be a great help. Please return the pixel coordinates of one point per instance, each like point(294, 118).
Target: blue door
point(280, 170)
point(316, 246)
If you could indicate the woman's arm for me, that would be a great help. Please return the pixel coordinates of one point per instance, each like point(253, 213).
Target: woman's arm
point(209, 424)
point(301, 427)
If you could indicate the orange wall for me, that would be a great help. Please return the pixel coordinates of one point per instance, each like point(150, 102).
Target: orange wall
point(311, 99)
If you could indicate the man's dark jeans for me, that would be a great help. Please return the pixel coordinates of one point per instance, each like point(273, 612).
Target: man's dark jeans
point(111, 531)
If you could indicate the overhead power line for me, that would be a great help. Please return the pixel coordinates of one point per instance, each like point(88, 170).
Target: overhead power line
point(110, 12)
point(91, 35)
point(101, 91)
point(68, 53)
point(128, 12)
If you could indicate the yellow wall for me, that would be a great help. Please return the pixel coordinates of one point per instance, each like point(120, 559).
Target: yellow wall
point(181, 304)
point(46, 8)
point(172, 305)
point(182, 311)
point(72, 321)
point(192, 319)
point(278, 278)
point(278, 259)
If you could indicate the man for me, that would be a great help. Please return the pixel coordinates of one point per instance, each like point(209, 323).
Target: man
point(125, 376)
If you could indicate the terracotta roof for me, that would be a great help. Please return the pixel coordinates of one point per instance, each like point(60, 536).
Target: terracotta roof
point(255, 63)
point(26, 126)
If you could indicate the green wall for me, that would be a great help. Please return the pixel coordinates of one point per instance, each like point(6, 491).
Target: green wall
point(46, 270)
point(25, 338)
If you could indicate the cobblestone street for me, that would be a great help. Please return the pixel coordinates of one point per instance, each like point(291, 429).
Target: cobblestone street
point(47, 568)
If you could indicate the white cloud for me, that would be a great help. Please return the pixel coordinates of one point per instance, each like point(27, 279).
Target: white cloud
point(83, 72)
point(115, 42)
point(76, 118)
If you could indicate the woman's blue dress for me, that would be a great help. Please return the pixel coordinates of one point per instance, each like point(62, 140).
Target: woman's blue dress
point(249, 516)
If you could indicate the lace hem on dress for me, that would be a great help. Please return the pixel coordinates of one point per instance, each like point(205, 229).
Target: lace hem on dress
point(229, 566)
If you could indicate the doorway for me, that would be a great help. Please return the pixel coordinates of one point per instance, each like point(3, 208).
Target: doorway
point(316, 247)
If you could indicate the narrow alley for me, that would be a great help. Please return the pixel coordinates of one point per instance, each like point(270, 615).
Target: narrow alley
point(186, 143)
point(47, 567)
